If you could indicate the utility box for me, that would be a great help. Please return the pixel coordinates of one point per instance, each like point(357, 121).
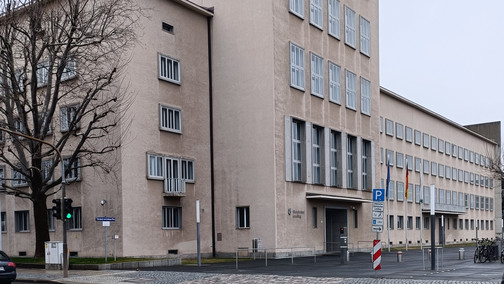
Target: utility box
point(53, 255)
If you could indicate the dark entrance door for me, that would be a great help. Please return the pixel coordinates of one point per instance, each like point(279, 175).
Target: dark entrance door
point(335, 220)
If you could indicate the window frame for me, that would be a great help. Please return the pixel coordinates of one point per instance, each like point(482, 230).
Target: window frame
point(351, 90)
point(22, 221)
point(171, 218)
point(170, 71)
point(334, 83)
point(296, 7)
point(242, 217)
point(317, 75)
point(365, 36)
point(75, 223)
point(317, 13)
point(170, 119)
point(365, 96)
point(75, 169)
point(66, 117)
point(350, 27)
point(334, 18)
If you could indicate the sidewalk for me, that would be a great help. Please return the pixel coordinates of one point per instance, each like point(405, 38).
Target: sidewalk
point(326, 269)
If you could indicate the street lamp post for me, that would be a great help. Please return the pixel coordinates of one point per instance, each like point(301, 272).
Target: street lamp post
point(63, 182)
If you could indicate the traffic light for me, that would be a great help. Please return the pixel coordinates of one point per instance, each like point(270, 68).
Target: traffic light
point(68, 208)
point(57, 208)
point(342, 230)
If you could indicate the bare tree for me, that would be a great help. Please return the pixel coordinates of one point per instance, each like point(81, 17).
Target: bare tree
point(59, 64)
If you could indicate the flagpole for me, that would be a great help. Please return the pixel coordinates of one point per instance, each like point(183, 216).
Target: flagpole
point(406, 204)
point(421, 212)
point(388, 198)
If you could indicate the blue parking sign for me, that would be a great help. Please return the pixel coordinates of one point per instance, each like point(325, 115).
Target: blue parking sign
point(378, 194)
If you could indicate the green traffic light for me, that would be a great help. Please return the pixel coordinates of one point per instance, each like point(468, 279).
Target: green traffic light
point(69, 215)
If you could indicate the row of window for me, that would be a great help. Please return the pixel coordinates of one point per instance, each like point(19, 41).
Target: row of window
point(19, 180)
point(297, 67)
point(22, 220)
point(324, 156)
point(67, 117)
point(296, 7)
point(435, 169)
point(172, 217)
point(43, 74)
point(443, 196)
point(455, 223)
point(427, 141)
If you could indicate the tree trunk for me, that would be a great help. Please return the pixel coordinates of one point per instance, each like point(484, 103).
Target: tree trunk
point(41, 224)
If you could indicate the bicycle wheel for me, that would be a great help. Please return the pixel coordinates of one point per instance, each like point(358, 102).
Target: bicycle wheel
point(476, 255)
point(502, 257)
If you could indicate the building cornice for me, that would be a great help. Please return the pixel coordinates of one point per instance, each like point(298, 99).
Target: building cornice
point(434, 114)
point(197, 8)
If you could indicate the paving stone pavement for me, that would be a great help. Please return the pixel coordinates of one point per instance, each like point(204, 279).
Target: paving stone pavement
point(327, 269)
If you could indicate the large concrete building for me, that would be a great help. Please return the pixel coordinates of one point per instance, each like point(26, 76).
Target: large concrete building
point(269, 113)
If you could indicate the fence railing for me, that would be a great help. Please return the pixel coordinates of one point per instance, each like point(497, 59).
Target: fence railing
point(275, 253)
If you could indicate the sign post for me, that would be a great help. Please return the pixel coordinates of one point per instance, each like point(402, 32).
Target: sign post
point(105, 223)
point(433, 225)
point(378, 211)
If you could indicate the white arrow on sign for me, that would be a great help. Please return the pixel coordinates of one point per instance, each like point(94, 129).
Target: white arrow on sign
point(378, 229)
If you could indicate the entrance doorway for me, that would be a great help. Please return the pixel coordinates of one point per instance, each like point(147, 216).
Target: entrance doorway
point(335, 220)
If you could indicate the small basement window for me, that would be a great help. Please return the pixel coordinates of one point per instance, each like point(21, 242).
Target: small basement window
point(167, 27)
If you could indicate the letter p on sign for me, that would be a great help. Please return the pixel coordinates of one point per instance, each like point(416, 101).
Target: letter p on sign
point(378, 194)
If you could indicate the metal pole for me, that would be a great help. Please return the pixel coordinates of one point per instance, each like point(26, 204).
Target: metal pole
point(63, 181)
point(198, 231)
point(105, 243)
point(433, 226)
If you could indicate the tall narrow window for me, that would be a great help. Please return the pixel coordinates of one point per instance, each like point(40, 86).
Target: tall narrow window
point(70, 69)
point(4, 222)
point(296, 7)
point(18, 178)
point(22, 220)
point(68, 117)
point(50, 220)
point(334, 83)
point(187, 170)
point(173, 182)
point(351, 90)
point(335, 146)
point(314, 217)
point(365, 96)
point(243, 217)
point(365, 36)
point(366, 164)
point(316, 14)
point(172, 217)
point(297, 151)
point(75, 223)
point(349, 27)
point(297, 67)
point(155, 166)
point(170, 119)
point(169, 69)
point(317, 75)
point(351, 163)
point(317, 153)
point(72, 171)
point(334, 18)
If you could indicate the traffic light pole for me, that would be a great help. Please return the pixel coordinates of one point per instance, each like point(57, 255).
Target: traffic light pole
point(63, 182)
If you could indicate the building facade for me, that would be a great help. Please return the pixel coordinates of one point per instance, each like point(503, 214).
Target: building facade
point(270, 114)
point(436, 151)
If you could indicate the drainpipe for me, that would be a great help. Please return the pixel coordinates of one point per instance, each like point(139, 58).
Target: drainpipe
point(210, 93)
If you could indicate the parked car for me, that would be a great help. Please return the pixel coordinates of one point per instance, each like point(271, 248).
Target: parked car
point(7, 268)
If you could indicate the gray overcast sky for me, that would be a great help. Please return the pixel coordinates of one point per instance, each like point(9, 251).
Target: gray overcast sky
point(446, 55)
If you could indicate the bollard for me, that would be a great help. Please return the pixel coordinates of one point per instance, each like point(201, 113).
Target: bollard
point(461, 254)
point(348, 256)
point(399, 256)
